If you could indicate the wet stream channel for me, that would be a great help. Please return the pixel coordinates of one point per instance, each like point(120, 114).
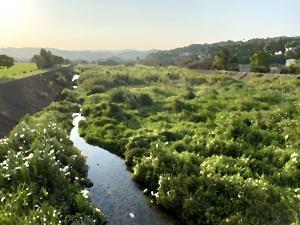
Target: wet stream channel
point(114, 190)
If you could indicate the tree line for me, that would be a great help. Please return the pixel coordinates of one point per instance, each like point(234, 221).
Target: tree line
point(260, 53)
point(46, 60)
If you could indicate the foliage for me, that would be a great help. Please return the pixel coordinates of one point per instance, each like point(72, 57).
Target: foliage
point(42, 175)
point(193, 62)
point(223, 59)
point(260, 62)
point(47, 60)
point(209, 148)
point(228, 55)
point(6, 61)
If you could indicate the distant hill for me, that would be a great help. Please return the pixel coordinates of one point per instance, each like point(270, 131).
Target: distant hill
point(242, 50)
point(25, 54)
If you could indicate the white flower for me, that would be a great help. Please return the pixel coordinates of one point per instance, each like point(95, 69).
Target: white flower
point(85, 193)
point(65, 169)
point(98, 210)
point(131, 215)
point(286, 137)
point(294, 155)
point(30, 156)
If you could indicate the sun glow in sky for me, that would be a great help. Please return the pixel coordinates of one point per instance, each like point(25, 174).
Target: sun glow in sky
point(142, 24)
point(10, 10)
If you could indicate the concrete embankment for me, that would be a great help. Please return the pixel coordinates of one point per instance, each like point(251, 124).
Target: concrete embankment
point(30, 95)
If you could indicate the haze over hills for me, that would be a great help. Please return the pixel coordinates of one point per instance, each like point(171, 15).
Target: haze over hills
point(25, 54)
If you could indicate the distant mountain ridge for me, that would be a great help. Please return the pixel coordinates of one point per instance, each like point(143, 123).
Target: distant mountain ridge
point(25, 54)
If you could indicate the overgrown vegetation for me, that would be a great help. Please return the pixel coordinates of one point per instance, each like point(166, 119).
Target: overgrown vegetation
point(42, 175)
point(210, 148)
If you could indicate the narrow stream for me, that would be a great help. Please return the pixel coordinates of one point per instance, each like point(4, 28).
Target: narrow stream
point(114, 191)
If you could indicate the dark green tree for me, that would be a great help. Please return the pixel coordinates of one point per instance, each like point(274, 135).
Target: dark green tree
point(58, 60)
point(6, 61)
point(260, 62)
point(277, 45)
point(223, 59)
point(47, 60)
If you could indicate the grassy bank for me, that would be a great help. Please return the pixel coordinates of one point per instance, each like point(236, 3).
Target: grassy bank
point(209, 148)
point(19, 70)
point(42, 176)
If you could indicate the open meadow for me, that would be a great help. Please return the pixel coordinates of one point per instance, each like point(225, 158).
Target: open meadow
point(19, 70)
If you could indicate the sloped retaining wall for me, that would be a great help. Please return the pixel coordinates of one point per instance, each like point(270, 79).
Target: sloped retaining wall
point(29, 95)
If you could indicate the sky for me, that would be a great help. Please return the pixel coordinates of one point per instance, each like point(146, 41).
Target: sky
point(142, 24)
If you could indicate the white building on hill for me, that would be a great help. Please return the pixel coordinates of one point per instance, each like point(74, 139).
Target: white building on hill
point(290, 62)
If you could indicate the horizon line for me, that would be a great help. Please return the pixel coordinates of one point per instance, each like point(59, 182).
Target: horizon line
point(151, 49)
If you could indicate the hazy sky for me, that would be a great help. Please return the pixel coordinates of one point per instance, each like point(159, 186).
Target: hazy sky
point(142, 24)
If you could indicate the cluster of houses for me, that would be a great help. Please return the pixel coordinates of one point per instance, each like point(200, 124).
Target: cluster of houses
point(246, 68)
point(276, 69)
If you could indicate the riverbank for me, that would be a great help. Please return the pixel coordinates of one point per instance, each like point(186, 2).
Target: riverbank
point(29, 95)
point(42, 176)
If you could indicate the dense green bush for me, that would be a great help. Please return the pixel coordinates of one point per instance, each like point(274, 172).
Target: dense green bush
point(210, 148)
point(42, 175)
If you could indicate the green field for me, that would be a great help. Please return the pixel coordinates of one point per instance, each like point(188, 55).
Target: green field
point(210, 148)
point(19, 70)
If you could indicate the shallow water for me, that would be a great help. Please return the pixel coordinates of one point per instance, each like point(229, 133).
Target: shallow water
point(114, 191)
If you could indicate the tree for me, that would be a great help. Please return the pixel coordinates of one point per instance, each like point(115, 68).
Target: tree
point(260, 62)
point(292, 54)
point(6, 61)
point(47, 60)
point(293, 50)
point(193, 62)
point(58, 60)
point(67, 61)
point(223, 59)
point(277, 45)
